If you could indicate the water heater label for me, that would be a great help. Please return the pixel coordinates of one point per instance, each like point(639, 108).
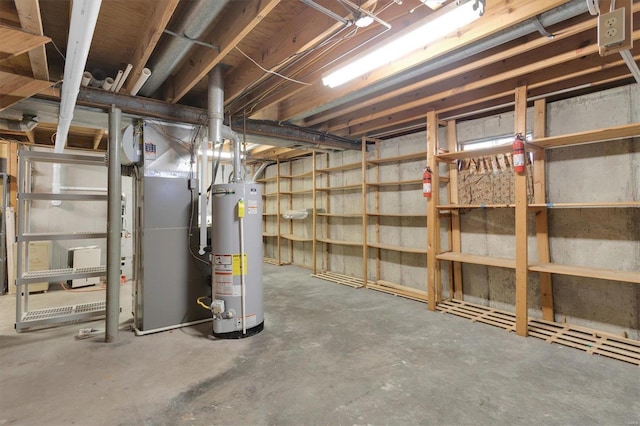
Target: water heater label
point(237, 268)
point(226, 288)
point(222, 262)
point(252, 206)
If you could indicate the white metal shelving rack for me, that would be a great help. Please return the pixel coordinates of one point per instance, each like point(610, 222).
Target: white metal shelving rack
point(26, 318)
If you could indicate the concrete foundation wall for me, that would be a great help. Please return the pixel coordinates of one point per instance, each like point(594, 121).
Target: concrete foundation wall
point(597, 237)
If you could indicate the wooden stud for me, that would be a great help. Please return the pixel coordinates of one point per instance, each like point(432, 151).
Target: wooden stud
point(456, 235)
point(291, 254)
point(433, 227)
point(279, 231)
point(365, 253)
point(522, 267)
point(314, 222)
point(31, 21)
point(542, 225)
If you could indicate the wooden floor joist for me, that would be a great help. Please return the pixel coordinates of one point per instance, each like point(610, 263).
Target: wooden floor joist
point(583, 338)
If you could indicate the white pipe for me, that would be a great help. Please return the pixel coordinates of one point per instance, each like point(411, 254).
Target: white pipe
point(84, 16)
point(116, 81)
point(238, 172)
point(127, 70)
point(203, 195)
point(146, 73)
point(108, 83)
point(86, 78)
point(242, 275)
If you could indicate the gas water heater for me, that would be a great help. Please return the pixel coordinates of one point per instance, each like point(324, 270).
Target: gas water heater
point(236, 259)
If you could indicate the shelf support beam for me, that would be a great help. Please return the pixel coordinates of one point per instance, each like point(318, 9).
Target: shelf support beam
point(542, 223)
point(522, 267)
point(433, 226)
point(456, 241)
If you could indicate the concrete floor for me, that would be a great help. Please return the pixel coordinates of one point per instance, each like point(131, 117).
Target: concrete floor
point(329, 355)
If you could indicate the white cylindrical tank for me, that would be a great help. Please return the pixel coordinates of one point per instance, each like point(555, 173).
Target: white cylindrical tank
point(236, 234)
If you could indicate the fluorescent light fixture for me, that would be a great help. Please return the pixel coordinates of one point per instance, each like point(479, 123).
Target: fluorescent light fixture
point(447, 21)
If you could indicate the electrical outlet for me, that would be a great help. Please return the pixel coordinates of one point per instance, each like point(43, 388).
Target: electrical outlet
point(611, 28)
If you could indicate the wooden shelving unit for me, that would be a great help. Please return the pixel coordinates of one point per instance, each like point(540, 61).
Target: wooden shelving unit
point(519, 321)
point(374, 185)
point(322, 221)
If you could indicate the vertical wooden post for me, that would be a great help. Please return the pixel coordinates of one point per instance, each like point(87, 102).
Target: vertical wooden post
point(327, 207)
point(377, 207)
point(456, 240)
point(365, 255)
point(542, 223)
point(522, 263)
point(278, 209)
point(433, 226)
point(291, 258)
point(314, 222)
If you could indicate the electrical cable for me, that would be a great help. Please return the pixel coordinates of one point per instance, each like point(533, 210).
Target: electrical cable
point(269, 71)
point(255, 86)
point(58, 50)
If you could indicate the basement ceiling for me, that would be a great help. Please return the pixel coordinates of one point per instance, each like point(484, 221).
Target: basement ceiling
point(275, 52)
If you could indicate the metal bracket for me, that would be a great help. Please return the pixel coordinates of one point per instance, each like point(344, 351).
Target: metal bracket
point(541, 29)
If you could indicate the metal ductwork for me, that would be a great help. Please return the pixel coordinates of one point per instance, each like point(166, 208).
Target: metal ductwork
point(195, 22)
point(27, 124)
point(552, 17)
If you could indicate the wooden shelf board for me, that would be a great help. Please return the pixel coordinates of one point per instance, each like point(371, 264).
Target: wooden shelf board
point(396, 183)
point(499, 262)
point(340, 214)
point(398, 214)
point(587, 272)
point(302, 175)
point(349, 166)
point(397, 248)
point(303, 191)
point(273, 261)
point(474, 206)
point(268, 179)
point(270, 194)
point(600, 204)
point(590, 136)
point(407, 157)
point(269, 234)
point(399, 290)
point(341, 188)
point(460, 155)
point(586, 339)
point(340, 242)
point(292, 237)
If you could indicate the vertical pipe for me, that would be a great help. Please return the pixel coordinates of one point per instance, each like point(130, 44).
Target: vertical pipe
point(114, 226)
point(215, 111)
point(243, 285)
point(203, 195)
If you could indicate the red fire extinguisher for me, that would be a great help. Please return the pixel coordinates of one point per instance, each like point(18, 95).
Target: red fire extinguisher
point(426, 182)
point(518, 154)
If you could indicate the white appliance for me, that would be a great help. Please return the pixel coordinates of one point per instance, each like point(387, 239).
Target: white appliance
point(84, 257)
